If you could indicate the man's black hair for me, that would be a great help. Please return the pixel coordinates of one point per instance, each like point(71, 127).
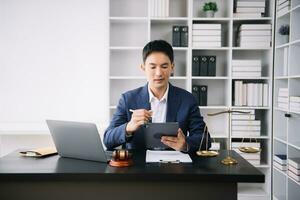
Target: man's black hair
point(158, 46)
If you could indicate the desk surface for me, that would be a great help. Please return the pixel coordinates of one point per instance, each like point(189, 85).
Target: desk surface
point(16, 167)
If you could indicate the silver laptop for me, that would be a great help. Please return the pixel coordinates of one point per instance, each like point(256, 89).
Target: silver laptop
point(77, 140)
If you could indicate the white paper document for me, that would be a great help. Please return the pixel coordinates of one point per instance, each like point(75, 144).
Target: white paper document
point(167, 157)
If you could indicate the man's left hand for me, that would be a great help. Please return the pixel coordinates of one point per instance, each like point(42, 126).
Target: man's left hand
point(178, 143)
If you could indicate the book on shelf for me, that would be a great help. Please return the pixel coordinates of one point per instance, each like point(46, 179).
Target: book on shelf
point(203, 32)
point(285, 61)
point(180, 36)
point(195, 66)
point(176, 36)
point(184, 36)
point(254, 44)
point(280, 158)
point(200, 94)
point(255, 33)
point(246, 73)
point(279, 166)
point(283, 99)
point(294, 170)
point(295, 99)
point(279, 2)
point(245, 144)
point(203, 66)
point(206, 38)
point(244, 134)
point(283, 92)
point(206, 27)
point(246, 122)
point(246, 69)
point(159, 8)
point(255, 27)
point(247, 15)
point(250, 9)
point(250, 3)
point(283, 5)
point(203, 95)
point(212, 60)
point(243, 117)
point(293, 176)
point(245, 128)
point(266, 95)
point(294, 162)
point(255, 38)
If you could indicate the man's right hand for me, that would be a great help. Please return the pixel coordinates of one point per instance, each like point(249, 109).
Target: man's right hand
point(138, 118)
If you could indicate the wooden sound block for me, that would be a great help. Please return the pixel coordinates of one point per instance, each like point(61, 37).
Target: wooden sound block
point(121, 163)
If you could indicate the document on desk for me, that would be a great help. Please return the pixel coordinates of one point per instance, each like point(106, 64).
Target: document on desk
point(167, 157)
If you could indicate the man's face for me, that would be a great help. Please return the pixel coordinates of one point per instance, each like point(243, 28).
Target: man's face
point(158, 69)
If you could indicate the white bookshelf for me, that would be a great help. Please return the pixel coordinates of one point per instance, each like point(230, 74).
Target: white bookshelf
point(131, 27)
point(286, 138)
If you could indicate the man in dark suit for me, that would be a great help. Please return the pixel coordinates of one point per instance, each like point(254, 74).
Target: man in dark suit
point(158, 101)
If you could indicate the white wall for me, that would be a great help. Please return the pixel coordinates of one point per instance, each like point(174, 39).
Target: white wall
point(53, 65)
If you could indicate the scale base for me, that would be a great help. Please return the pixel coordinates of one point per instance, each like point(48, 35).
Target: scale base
point(229, 161)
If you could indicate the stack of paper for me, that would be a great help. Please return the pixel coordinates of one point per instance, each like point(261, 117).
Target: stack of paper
point(280, 162)
point(251, 94)
point(253, 158)
point(283, 98)
point(295, 104)
point(206, 35)
point(246, 68)
point(159, 8)
point(254, 35)
point(246, 126)
point(283, 6)
point(249, 8)
point(167, 157)
point(294, 168)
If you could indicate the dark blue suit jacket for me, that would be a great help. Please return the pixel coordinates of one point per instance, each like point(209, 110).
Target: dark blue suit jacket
point(181, 107)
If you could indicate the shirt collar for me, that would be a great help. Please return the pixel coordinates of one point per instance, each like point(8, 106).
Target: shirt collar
point(152, 97)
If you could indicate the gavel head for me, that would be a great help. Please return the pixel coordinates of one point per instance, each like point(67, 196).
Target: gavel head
point(121, 154)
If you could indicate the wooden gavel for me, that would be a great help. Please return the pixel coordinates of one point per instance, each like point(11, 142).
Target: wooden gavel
point(121, 155)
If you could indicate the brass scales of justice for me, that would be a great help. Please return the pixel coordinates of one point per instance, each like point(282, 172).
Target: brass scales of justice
point(228, 160)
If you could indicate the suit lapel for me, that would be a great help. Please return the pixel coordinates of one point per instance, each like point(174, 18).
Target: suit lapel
point(172, 105)
point(143, 101)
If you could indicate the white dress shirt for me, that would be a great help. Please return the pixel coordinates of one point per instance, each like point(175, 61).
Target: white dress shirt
point(158, 107)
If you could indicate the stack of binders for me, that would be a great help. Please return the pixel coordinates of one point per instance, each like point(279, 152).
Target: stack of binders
point(204, 66)
point(200, 94)
point(283, 6)
point(159, 8)
point(253, 158)
point(283, 98)
point(180, 36)
point(249, 8)
point(245, 125)
point(246, 68)
point(280, 162)
point(206, 35)
point(294, 168)
point(254, 35)
point(295, 104)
